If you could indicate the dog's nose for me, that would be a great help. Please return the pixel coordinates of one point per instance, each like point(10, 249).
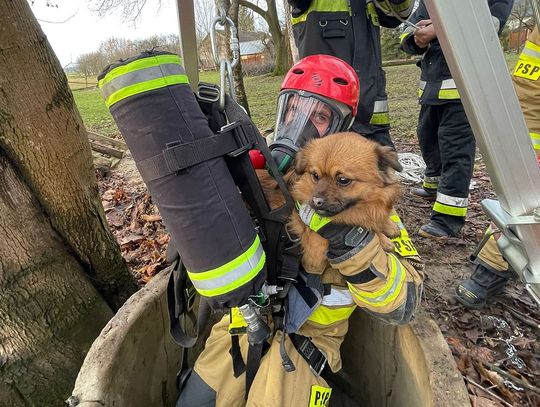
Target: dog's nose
point(318, 201)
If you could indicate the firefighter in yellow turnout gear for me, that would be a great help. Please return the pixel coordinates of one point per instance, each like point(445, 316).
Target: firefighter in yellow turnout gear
point(382, 284)
point(492, 271)
point(358, 274)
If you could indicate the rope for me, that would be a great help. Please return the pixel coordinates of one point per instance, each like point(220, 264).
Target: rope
point(413, 167)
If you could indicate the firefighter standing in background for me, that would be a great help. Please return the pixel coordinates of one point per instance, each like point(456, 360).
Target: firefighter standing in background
point(350, 30)
point(359, 272)
point(492, 271)
point(444, 134)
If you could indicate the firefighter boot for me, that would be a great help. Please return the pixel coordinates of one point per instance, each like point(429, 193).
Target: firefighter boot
point(429, 194)
point(432, 230)
point(484, 283)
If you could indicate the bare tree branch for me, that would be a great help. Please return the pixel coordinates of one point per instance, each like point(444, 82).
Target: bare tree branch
point(131, 9)
point(263, 13)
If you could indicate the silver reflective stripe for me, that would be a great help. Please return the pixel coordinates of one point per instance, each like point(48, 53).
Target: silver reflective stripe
point(432, 180)
point(380, 106)
point(452, 200)
point(448, 84)
point(422, 85)
point(397, 274)
point(306, 213)
point(530, 52)
point(338, 297)
point(233, 275)
point(141, 75)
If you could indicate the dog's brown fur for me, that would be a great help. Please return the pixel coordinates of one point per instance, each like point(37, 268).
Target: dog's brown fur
point(367, 201)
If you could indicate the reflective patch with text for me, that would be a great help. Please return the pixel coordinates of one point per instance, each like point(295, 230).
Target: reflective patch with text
point(404, 246)
point(320, 396)
point(527, 70)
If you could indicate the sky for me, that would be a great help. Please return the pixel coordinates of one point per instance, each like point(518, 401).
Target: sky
point(85, 30)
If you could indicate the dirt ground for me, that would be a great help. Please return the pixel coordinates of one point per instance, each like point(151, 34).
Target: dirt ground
point(496, 349)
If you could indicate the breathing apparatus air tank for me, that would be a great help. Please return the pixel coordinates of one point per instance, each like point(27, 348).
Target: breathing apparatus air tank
point(181, 162)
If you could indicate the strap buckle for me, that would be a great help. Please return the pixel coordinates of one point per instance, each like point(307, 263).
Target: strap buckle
point(243, 140)
point(208, 92)
point(315, 358)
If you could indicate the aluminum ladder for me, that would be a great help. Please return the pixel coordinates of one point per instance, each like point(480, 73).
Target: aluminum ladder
point(471, 47)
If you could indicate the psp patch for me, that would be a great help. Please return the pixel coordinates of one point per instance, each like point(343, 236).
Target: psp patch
point(320, 396)
point(527, 70)
point(404, 246)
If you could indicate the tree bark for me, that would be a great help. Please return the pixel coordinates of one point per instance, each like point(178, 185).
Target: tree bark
point(238, 75)
point(49, 311)
point(291, 49)
point(43, 137)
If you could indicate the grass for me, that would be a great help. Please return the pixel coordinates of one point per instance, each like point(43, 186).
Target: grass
point(262, 94)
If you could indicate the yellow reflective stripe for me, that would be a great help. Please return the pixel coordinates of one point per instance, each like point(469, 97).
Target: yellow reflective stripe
point(403, 36)
point(420, 92)
point(535, 137)
point(429, 185)
point(145, 87)
point(236, 283)
point(449, 94)
point(325, 315)
point(380, 118)
point(449, 209)
point(142, 63)
point(322, 5)
point(311, 218)
point(395, 218)
point(532, 50)
point(389, 291)
point(229, 266)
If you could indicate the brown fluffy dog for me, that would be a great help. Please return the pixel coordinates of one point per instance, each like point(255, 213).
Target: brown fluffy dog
point(349, 178)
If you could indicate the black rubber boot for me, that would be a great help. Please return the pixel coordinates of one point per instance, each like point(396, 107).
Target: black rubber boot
point(484, 283)
point(432, 230)
point(429, 194)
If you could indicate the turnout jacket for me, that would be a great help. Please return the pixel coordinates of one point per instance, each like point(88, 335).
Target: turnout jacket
point(350, 30)
point(359, 273)
point(436, 84)
point(526, 78)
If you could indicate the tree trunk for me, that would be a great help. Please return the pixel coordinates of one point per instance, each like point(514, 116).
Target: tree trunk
point(42, 135)
point(55, 245)
point(292, 49)
point(231, 9)
point(270, 15)
point(49, 311)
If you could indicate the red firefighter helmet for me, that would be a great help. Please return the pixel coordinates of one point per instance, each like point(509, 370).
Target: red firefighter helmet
point(319, 96)
point(326, 76)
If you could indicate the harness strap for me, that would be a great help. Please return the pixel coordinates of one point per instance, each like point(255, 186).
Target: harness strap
point(254, 356)
point(231, 140)
point(180, 298)
point(311, 354)
point(239, 366)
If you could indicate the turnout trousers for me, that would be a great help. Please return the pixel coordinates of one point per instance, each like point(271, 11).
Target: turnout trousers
point(448, 147)
point(212, 382)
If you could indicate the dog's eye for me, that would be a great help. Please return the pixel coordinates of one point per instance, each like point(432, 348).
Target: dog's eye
point(342, 181)
point(315, 176)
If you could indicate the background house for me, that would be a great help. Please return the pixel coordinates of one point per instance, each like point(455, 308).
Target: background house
point(255, 48)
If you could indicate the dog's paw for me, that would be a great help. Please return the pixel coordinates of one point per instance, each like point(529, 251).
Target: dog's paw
point(314, 256)
point(391, 229)
point(386, 243)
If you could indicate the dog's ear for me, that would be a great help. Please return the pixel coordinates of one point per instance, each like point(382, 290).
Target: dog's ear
point(388, 161)
point(300, 162)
